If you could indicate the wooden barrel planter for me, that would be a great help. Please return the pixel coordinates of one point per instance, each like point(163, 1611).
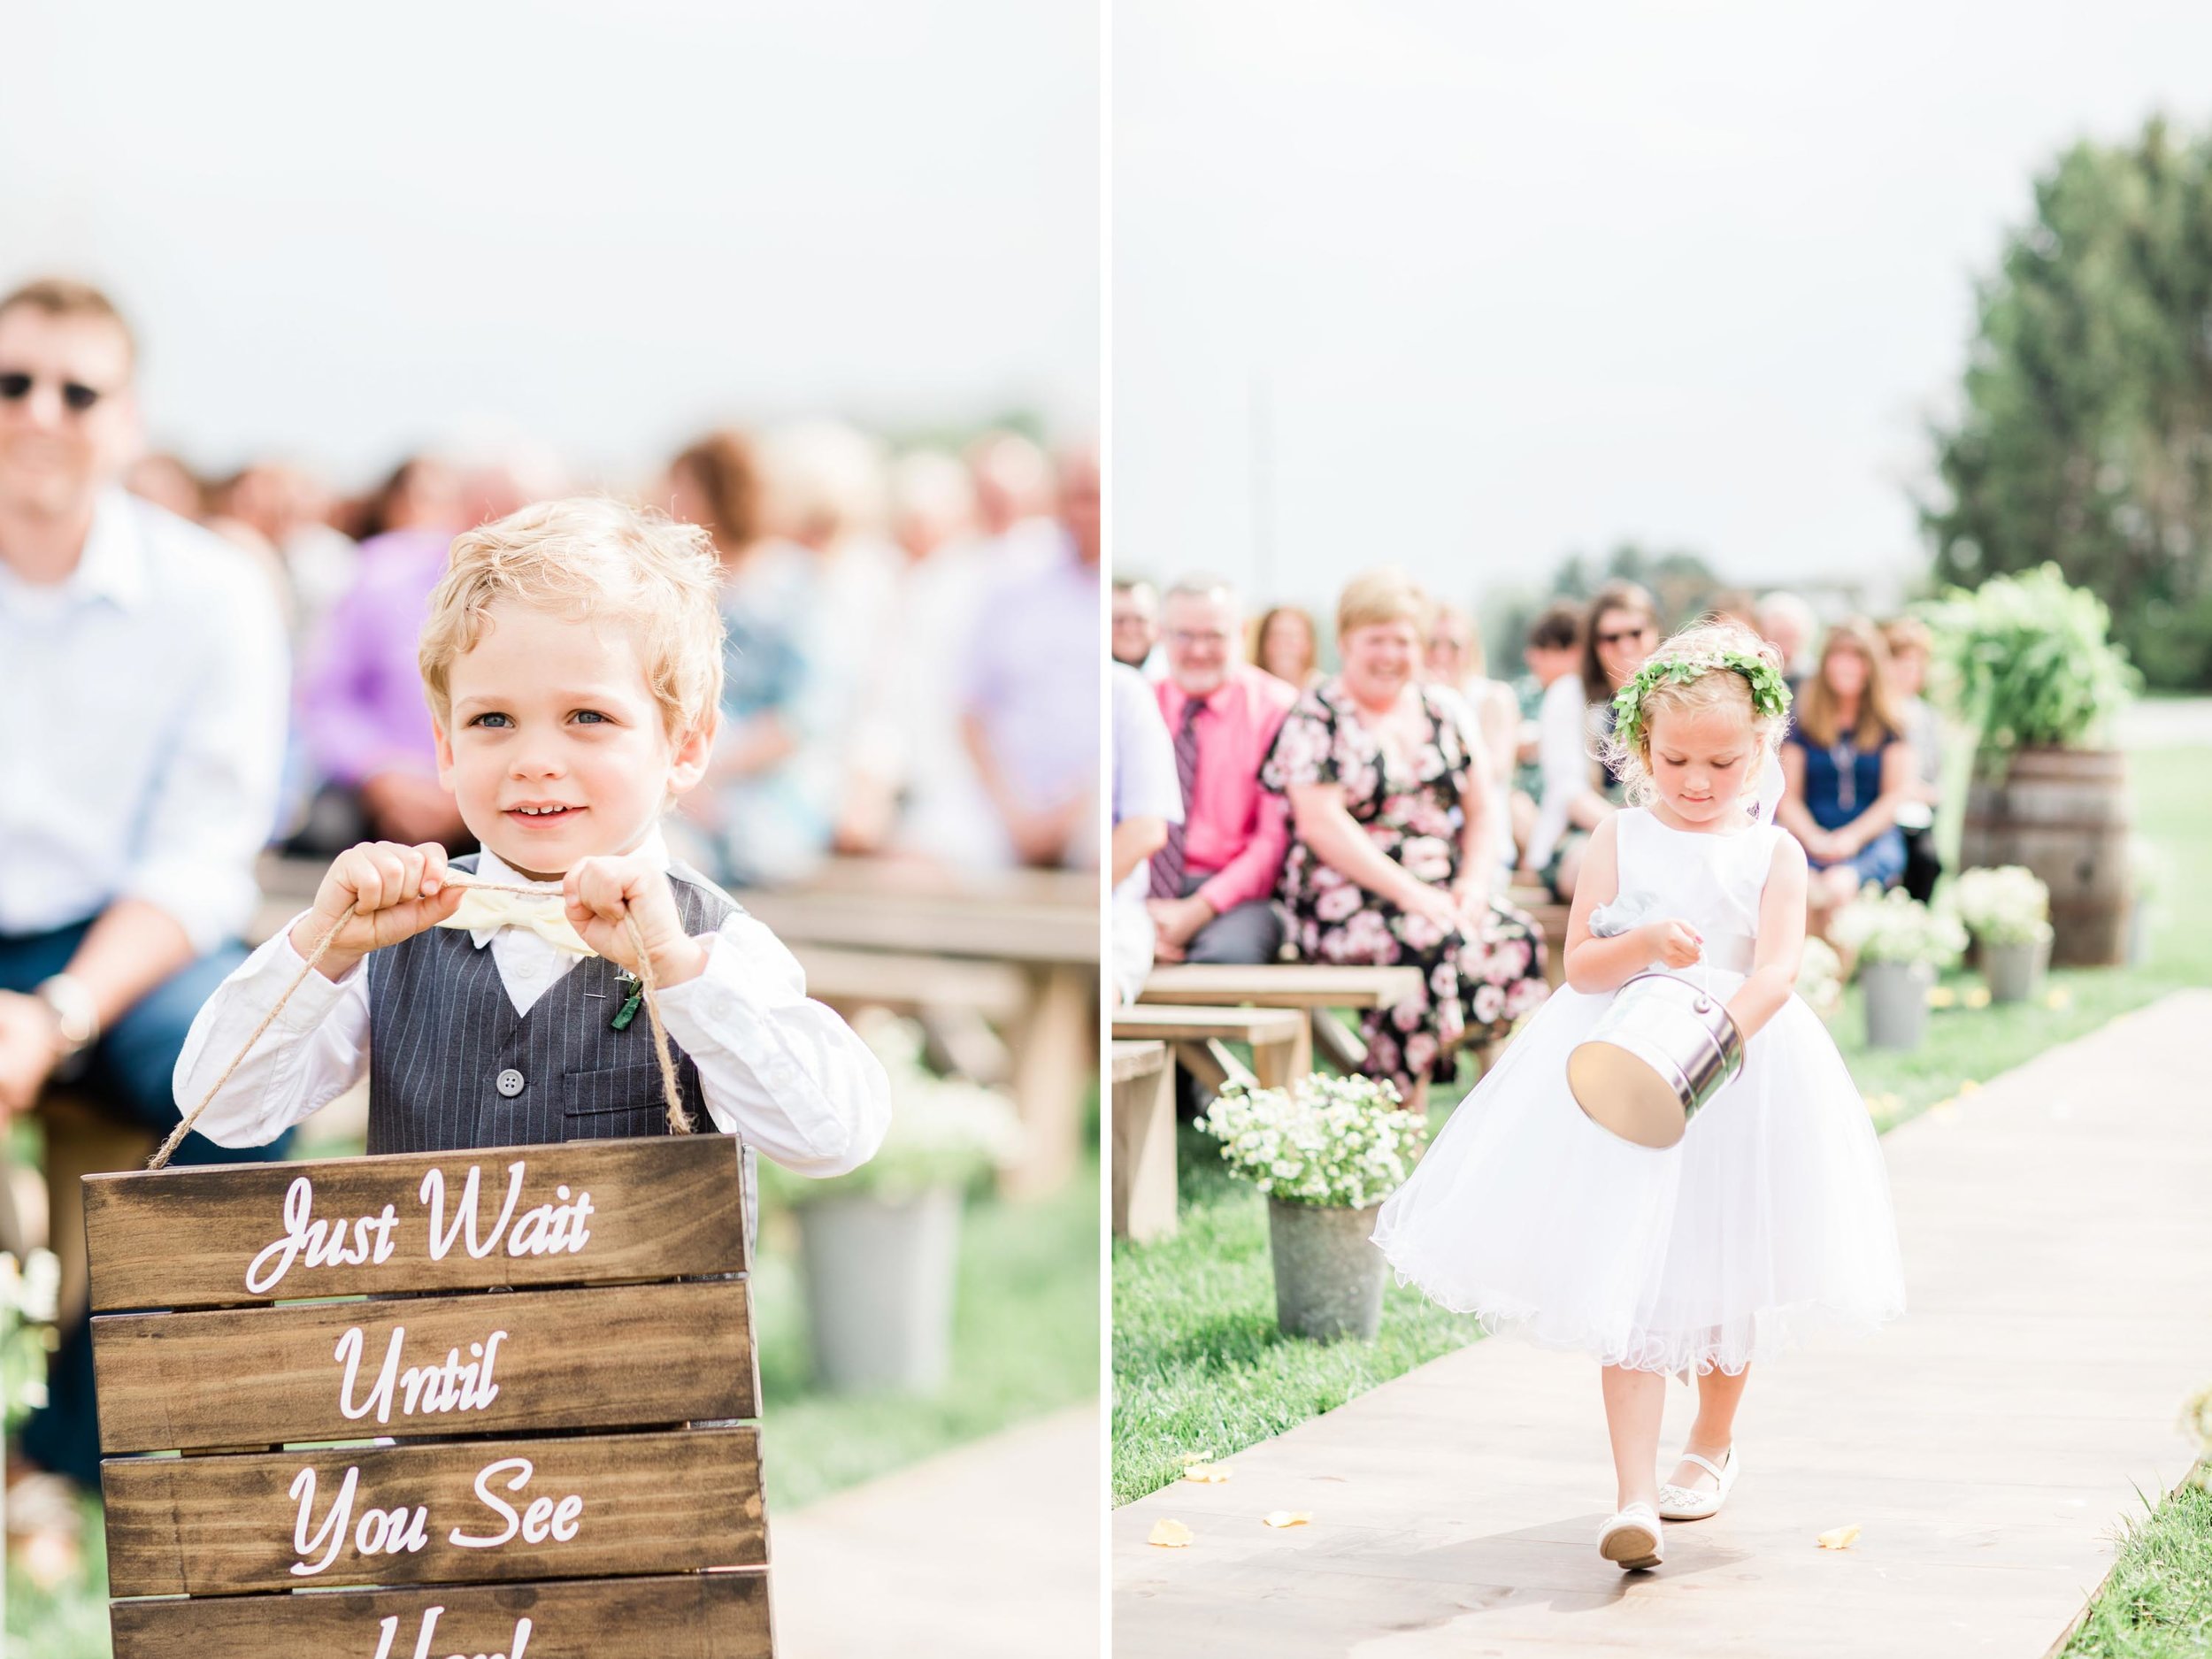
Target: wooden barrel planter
point(2064, 814)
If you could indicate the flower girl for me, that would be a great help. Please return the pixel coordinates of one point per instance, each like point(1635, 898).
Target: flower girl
point(1772, 1213)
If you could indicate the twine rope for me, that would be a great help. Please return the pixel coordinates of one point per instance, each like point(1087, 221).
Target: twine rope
point(679, 1122)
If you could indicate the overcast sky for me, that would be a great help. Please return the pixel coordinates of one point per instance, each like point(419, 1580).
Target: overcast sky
point(1469, 287)
point(344, 230)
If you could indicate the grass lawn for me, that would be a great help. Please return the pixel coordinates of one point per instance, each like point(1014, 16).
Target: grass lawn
point(1199, 1364)
point(2157, 1603)
point(1024, 1341)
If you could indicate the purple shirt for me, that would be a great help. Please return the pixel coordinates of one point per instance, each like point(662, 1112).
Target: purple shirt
point(1033, 677)
point(361, 703)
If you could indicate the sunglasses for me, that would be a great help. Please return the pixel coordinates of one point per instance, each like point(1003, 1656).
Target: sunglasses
point(1623, 634)
point(76, 396)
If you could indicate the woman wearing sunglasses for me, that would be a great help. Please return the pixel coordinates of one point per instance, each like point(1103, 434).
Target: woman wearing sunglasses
point(1578, 791)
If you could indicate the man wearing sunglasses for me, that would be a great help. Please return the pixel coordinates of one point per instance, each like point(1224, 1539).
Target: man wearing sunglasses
point(143, 675)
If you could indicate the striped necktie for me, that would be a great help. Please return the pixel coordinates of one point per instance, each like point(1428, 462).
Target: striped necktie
point(1167, 863)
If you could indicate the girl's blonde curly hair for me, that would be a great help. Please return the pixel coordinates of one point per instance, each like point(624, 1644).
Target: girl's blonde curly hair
point(1711, 684)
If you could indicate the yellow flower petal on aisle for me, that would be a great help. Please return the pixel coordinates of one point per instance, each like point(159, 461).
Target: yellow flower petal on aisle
point(2059, 997)
point(1196, 1458)
point(1978, 996)
point(1842, 1537)
point(1170, 1535)
point(1942, 996)
point(1208, 1474)
point(1967, 1086)
point(1287, 1518)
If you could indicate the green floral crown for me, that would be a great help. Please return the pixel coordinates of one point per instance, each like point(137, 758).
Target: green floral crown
point(1769, 693)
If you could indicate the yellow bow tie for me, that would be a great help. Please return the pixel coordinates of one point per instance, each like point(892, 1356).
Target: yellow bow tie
point(485, 911)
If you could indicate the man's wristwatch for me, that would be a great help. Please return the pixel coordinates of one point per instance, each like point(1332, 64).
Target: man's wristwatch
point(76, 1015)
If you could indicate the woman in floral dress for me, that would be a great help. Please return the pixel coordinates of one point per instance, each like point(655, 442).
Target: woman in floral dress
point(1388, 860)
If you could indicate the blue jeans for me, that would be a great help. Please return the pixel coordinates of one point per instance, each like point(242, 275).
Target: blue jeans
point(129, 1076)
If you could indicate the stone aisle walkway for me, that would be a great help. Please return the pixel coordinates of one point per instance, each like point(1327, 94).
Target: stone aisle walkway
point(989, 1551)
point(2057, 1241)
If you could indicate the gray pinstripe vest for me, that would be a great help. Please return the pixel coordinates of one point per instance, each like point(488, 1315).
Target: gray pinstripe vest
point(443, 1032)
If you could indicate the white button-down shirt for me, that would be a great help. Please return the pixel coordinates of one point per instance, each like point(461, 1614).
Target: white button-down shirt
point(142, 741)
point(779, 1070)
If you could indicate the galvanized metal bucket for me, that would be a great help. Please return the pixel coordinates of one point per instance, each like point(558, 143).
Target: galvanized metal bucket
point(1660, 1052)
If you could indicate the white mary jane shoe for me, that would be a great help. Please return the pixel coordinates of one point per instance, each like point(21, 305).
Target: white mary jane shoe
point(1686, 1504)
point(1631, 1539)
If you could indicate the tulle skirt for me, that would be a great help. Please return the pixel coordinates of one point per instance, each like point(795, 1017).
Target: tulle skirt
point(1770, 1217)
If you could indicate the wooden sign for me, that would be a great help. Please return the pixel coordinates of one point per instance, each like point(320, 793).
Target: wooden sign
point(512, 1382)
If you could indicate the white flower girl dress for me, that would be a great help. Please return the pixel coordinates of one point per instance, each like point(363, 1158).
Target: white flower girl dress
point(1770, 1216)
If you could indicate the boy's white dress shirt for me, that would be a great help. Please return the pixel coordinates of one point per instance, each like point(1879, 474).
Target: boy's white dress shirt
point(782, 1072)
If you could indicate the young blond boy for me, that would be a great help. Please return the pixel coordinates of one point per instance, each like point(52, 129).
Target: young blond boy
point(572, 663)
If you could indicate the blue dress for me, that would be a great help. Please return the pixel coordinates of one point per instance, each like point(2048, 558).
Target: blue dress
point(1842, 781)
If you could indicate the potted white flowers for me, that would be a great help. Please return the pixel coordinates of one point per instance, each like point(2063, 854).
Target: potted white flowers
point(2009, 911)
point(1897, 943)
point(880, 1248)
point(1326, 1153)
point(1820, 977)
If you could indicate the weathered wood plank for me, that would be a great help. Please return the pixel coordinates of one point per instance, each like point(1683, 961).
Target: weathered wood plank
point(1281, 984)
point(658, 1207)
point(634, 1356)
point(579, 1508)
point(702, 1616)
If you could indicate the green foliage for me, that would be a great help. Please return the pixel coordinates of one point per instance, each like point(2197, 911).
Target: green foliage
point(2032, 662)
point(2086, 439)
point(1769, 694)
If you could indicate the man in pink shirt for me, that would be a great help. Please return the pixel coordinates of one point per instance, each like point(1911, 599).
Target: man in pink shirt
point(1213, 884)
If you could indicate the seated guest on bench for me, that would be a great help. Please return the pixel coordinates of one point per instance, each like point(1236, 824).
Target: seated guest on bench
point(1148, 803)
point(1848, 768)
point(1213, 884)
point(1389, 858)
point(143, 665)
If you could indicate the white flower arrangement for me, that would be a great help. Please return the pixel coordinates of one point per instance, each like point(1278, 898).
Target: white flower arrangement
point(1894, 927)
point(29, 1298)
point(1325, 1141)
point(944, 1130)
point(2006, 905)
point(1820, 977)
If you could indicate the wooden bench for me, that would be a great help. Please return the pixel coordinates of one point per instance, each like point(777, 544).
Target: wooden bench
point(1549, 914)
point(1032, 930)
point(1316, 987)
point(1144, 1141)
point(1201, 1036)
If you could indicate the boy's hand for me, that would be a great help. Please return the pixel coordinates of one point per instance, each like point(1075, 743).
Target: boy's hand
point(1676, 943)
point(396, 891)
point(602, 892)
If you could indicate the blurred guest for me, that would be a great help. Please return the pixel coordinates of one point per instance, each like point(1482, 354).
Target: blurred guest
point(1786, 622)
point(1031, 703)
point(1579, 791)
point(363, 722)
point(912, 789)
point(1551, 651)
point(167, 483)
point(144, 667)
point(1135, 624)
point(1847, 767)
point(1908, 642)
point(767, 814)
point(1734, 605)
point(1213, 884)
point(293, 512)
point(1147, 806)
point(1013, 483)
point(1284, 643)
point(1455, 661)
point(421, 493)
point(1389, 855)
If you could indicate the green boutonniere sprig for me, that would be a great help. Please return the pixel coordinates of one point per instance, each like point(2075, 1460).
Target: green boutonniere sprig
point(1769, 693)
point(627, 981)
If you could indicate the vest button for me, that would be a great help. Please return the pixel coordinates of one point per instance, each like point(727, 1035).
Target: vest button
point(511, 1083)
